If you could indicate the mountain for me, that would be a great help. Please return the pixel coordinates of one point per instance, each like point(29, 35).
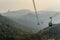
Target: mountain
point(9, 30)
point(51, 32)
point(8, 22)
point(17, 13)
point(28, 18)
point(20, 17)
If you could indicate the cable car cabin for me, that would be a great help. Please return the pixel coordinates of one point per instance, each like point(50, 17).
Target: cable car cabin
point(50, 24)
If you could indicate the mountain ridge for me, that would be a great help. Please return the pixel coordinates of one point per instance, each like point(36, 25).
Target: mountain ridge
point(28, 18)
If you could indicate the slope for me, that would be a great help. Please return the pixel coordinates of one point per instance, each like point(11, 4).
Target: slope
point(9, 31)
point(51, 32)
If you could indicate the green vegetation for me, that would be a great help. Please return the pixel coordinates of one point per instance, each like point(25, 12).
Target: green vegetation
point(10, 30)
point(10, 34)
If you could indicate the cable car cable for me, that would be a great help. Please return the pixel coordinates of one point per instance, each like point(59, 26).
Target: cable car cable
point(36, 12)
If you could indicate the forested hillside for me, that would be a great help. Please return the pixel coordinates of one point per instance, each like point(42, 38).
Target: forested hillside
point(9, 31)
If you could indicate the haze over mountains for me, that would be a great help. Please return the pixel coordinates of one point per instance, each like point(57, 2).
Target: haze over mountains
point(28, 18)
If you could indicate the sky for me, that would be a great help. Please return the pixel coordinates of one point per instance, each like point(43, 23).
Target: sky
point(50, 5)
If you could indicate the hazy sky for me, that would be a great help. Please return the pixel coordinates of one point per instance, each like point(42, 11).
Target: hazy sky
point(27, 4)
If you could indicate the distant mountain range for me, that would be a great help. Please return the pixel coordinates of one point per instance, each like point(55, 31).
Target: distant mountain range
point(28, 18)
